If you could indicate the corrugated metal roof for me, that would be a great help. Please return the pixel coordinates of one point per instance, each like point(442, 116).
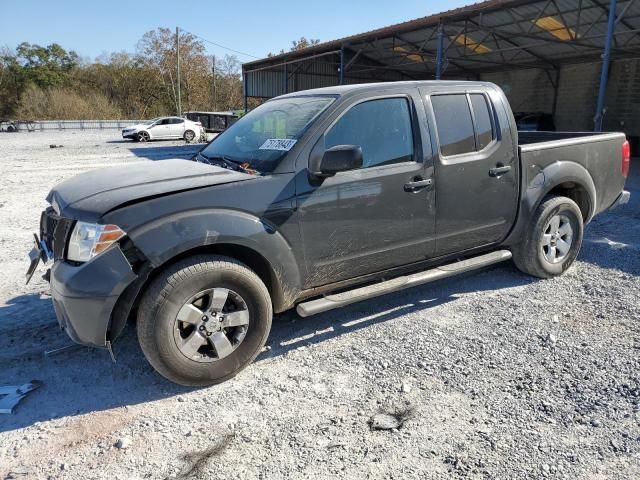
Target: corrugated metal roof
point(397, 28)
point(482, 37)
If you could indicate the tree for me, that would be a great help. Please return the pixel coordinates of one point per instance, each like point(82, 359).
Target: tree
point(297, 45)
point(12, 82)
point(304, 43)
point(157, 49)
point(46, 66)
point(32, 65)
point(50, 82)
point(228, 84)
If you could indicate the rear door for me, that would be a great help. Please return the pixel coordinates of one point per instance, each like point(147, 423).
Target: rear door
point(476, 169)
point(176, 127)
point(369, 219)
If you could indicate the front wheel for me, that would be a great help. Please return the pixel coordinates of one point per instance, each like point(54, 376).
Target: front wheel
point(203, 320)
point(143, 137)
point(553, 240)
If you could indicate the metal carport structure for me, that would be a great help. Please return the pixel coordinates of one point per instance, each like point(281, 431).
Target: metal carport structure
point(465, 43)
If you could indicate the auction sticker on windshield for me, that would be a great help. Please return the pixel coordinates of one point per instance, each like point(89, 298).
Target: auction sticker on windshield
point(282, 144)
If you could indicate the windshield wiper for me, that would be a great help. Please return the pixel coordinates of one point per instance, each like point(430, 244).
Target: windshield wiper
point(226, 163)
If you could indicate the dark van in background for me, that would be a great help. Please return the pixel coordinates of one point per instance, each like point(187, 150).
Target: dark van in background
point(215, 122)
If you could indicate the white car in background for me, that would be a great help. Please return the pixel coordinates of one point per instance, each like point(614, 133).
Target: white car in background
point(164, 128)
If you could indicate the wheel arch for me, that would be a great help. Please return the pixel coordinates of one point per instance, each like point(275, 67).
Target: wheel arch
point(564, 178)
point(235, 234)
point(144, 131)
point(129, 300)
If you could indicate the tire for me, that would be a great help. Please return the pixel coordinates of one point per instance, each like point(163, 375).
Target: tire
point(143, 137)
point(553, 239)
point(168, 343)
point(189, 136)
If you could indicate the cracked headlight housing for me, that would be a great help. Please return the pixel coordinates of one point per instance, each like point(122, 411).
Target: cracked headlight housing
point(90, 239)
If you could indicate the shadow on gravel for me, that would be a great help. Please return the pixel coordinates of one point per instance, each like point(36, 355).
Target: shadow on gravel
point(612, 240)
point(289, 331)
point(169, 151)
point(75, 381)
point(85, 380)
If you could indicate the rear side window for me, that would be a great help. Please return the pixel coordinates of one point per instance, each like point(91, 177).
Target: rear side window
point(382, 128)
point(459, 130)
point(484, 126)
point(454, 124)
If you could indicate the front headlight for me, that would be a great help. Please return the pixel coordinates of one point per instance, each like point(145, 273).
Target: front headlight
point(89, 239)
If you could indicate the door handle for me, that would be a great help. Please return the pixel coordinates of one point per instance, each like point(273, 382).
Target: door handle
point(417, 184)
point(499, 170)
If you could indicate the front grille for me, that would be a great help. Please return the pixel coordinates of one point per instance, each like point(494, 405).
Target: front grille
point(54, 231)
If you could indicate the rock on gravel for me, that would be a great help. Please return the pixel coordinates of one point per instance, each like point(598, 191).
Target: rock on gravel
point(123, 443)
point(384, 421)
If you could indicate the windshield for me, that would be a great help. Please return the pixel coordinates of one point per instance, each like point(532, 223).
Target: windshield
point(153, 120)
point(260, 139)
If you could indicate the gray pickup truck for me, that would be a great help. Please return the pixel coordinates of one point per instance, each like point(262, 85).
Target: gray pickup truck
point(316, 200)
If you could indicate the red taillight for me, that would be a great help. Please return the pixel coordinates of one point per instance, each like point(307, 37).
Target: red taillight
point(626, 158)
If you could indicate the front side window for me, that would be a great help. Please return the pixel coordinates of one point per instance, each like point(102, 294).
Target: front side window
point(382, 128)
point(262, 138)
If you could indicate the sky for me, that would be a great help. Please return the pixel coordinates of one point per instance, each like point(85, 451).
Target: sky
point(255, 27)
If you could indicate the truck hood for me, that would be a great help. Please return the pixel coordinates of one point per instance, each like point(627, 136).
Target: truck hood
point(90, 195)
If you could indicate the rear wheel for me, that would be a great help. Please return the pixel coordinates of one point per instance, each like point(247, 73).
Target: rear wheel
point(143, 137)
point(203, 320)
point(553, 240)
point(189, 136)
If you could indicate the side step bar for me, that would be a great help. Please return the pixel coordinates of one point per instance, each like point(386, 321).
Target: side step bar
point(329, 302)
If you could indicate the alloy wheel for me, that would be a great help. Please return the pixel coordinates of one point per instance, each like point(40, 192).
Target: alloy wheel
point(211, 325)
point(557, 238)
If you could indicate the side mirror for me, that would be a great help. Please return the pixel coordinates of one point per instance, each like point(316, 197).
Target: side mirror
point(340, 159)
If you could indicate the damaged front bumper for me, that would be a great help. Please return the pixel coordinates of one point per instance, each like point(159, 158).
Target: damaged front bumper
point(84, 296)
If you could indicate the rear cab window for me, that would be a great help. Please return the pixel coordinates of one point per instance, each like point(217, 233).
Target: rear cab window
point(464, 123)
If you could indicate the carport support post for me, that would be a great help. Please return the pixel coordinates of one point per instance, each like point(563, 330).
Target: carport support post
point(178, 70)
point(286, 78)
point(341, 64)
point(244, 90)
point(606, 59)
point(439, 54)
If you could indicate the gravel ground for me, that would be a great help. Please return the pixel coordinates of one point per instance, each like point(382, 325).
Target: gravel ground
point(490, 375)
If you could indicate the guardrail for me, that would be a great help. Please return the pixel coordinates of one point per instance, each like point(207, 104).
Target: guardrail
point(83, 124)
point(41, 125)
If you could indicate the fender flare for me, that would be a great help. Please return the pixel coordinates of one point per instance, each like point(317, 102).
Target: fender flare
point(164, 239)
point(543, 182)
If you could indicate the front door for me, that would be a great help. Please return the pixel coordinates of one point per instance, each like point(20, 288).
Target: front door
point(476, 171)
point(376, 217)
point(161, 129)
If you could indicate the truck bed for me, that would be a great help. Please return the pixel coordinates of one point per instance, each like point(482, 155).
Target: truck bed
point(599, 154)
point(529, 137)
